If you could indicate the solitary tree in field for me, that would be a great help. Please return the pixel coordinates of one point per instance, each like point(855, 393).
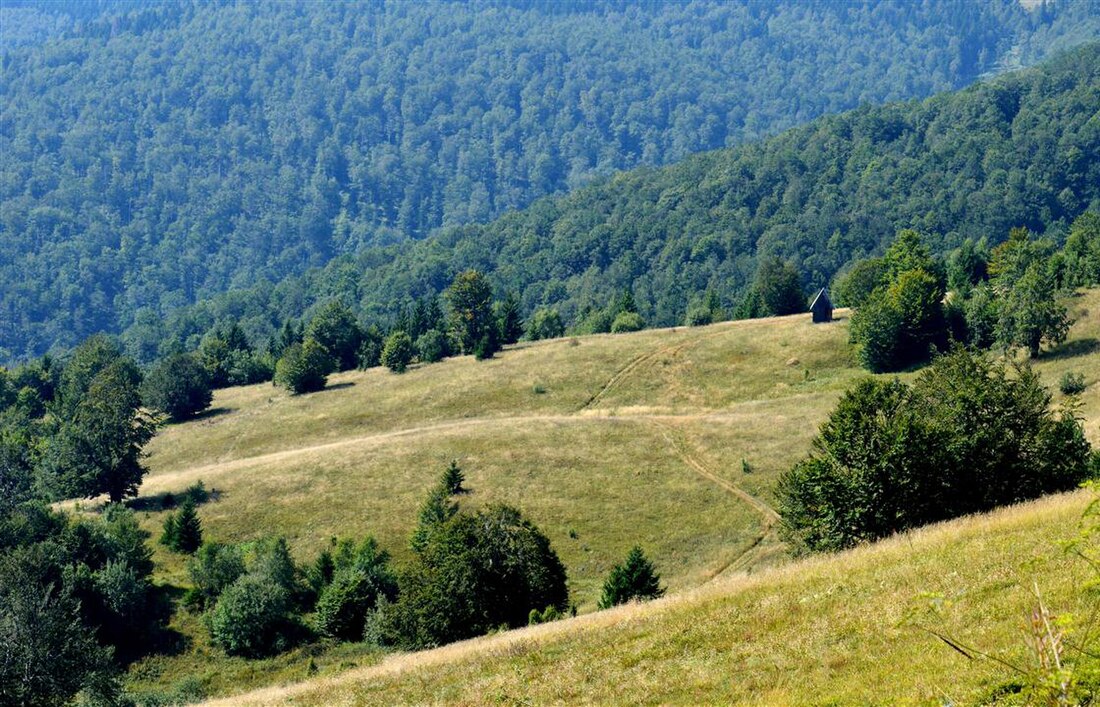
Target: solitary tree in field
point(470, 299)
point(303, 368)
point(398, 352)
point(634, 579)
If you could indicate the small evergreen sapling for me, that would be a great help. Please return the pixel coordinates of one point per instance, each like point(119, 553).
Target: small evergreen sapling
point(634, 579)
point(452, 479)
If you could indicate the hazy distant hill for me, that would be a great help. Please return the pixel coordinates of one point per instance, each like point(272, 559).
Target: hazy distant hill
point(153, 155)
point(1020, 150)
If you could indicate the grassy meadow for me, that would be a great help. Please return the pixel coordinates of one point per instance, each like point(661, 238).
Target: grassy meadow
point(672, 439)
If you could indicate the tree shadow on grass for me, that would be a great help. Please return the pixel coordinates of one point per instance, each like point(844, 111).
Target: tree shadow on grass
point(335, 386)
point(166, 500)
point(1071, 349)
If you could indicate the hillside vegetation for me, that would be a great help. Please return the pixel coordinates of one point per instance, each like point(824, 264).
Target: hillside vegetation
point(155, 155)
point(672, 439)
point(1019, 150)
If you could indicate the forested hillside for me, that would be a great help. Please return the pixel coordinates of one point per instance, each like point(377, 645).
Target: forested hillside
point(1019, 150)
point(152, 156)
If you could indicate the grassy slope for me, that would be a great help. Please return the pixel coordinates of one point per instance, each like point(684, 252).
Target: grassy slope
point(637, 438)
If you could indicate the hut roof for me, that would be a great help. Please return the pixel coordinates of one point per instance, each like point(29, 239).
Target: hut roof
point(821, 300)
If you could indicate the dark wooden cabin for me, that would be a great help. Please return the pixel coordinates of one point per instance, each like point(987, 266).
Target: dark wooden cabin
point(822, 308)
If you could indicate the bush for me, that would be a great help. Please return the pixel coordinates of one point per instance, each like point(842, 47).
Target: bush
point(1072, 383)
point(545, 323)
point(634, 579)
point(357, 585)
point(178, 386)
point(398, 352)
point(432, 346)
point(252, 618)
point(303, 368)
point(627, 322)
point(965, 438)
point(214, 568)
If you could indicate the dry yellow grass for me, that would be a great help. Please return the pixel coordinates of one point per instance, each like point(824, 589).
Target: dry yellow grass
point(613, 439)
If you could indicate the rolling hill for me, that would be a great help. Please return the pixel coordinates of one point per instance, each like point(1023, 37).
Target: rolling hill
point(669, 438)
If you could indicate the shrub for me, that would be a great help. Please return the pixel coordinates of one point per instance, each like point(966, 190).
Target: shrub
point(634, 579)
point(214, 568)
point(252, 618)
point(432, 346)
point(303, 368)
point(356, 588)
point(178, 386)
point(398, 352)
point(1072, 383)
point(545, 323)
point(487, 345)
point(627, 322)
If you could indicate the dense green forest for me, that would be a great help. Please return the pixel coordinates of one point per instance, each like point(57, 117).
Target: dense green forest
point(152, 156)
point(1020, 150)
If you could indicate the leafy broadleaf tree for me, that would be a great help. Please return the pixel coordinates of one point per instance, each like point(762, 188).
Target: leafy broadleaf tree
point(178, 386)
point(634, 579)
point(398, 352)
point(358, 583)
point(779, 285)
point(545, 323)
point(968, 436)
point(99, 449)
point(470, 300)
point(304, 367)
point(1030, 313)
point(335, 328)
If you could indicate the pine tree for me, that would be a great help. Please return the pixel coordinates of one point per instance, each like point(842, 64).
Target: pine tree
point(452, 479)
point(509, 321)
point(634, 579)
point(188, 529)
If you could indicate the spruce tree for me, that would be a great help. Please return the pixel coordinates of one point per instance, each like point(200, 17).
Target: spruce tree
point(509, 321)
point(452, 479)
point(634, 579)
point(188, 528)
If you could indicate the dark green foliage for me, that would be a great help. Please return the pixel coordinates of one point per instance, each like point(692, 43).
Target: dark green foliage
point(303, 368)
point(178, 386)
point(817, 196)
point(433, 345)
point(459, 138)
point(1029, 312)
point(436, 510)
point(968, 266)
point(627, 322)
point(334, 327)
point(370, 351)
point(253, 618)
point(48, 653)
point(487, 345)
point(1072, 383)
point(469, 299)
point(966, 437)
point(1082, 252)
point(224, 353)
point(902, 322)
point(398, 352)
point(183, 530)
point(98, 448)
point(634, 579)
point(452, 479)
point(358, 582)
point(779, 286)
point(476, 572)
point(545, 323)
point(708, 311)
point(853, 287)
point(509, 319)
point(213, 568)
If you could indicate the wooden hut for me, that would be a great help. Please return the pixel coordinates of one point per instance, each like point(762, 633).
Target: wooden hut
point(822, 308)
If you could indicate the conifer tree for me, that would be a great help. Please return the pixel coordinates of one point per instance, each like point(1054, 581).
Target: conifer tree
point(634, 579)
point(452, 479)
point(188, 528)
